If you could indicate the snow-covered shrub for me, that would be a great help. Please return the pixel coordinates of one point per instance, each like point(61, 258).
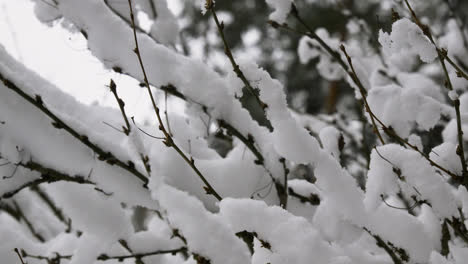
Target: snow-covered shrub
point(213, 184)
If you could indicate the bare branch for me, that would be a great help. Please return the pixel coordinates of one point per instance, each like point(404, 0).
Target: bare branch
point(105, 257)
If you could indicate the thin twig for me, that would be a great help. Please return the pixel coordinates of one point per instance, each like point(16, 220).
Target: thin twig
point(125, 245)
point(248, 141)
point(459, 70)
point(19, 256)
point(363, 92)
point(283, 195)
point(381, 243)
point(166, 114)
point(127, 128)
point(105, 257)
point(51, 260)
point(144, 132)
point(168, 138)
point(227, 51)
point(121, 103)
point(113, 127)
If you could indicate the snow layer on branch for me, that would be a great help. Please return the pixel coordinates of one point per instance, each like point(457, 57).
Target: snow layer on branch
point(293, 142)
point(91, 211)
point(282, 8)
point(401, 106)
point(330, 136)
point(310, 48)
point(293, 239)
point(407, 36)
point(402, 230)
point(437, 258)
point(446, 156)
point(207, 234)
point(45, 11)
point(298, 207)
point(55, 148)
point(417, 177)
point(165, 66)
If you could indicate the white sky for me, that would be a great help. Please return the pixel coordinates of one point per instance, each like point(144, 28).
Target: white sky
point(63, 59)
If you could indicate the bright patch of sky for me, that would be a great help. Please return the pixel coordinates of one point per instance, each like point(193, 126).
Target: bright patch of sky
point(63, 58)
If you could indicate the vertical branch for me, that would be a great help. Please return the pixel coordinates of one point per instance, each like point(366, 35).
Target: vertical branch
point(121, 104)
point(227, 50)
point(168, 141)
point(363, 92)
point(127, 129)
point(166, 114)
point(284, 197)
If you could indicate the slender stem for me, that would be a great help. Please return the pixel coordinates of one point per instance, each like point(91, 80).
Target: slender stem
point(141, 255)
point(144, 158)
point(27, 222)
point(460, 71)
point(121, 104)
point(362, 90)
point(227, 51)
point(125, 245)
point(284, 197)
point(19, 256)
point(168, 138)
point(381, 243)
point(48, 201)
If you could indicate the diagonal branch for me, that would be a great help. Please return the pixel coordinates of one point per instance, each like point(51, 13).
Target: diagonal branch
point(50, 203)
point(168, 137)
point(48, 175)
point(58, 123)
point(105, 257)
point(121, 103)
